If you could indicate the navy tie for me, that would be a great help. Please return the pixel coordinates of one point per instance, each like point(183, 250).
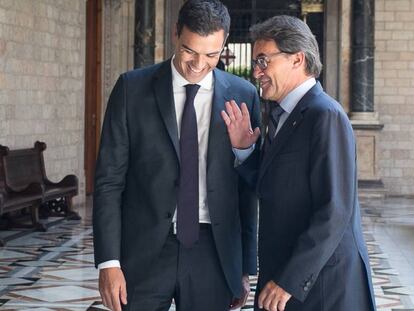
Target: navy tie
point(187, 203)
point(274, 117)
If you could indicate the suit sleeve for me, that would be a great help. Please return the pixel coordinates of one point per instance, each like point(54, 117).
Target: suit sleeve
point(249, 168)
point(248, 208)
point(110, 176)
point(333, 191)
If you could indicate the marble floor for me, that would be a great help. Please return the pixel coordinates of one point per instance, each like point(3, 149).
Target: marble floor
point(54, 270)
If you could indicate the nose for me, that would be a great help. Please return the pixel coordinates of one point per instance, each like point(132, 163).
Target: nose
point(257, 72)
point(199, 62)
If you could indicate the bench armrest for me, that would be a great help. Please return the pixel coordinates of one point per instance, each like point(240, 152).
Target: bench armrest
point(31, 189)
point(67, 181)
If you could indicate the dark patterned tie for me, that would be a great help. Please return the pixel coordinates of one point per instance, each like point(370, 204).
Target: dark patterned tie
point(274, 117)
point(187, 204)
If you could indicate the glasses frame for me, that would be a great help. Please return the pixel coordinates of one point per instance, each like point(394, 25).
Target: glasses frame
point(263, 61)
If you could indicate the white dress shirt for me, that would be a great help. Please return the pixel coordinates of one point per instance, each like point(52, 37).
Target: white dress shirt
point(202, 104)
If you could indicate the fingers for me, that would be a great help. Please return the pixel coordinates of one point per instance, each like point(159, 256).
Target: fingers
point(273, 298)
point(116, 302)
point(230, 112)
point(262, 297)
point(282, 304)
point(236, 110)
point(235, 304)
point(269, 300)
point(112, 287)
point(243, 302)
point(104, 300)
point(110, 299)
point(233, 110)
point(245, 111)
point(123, 294)
point(226, 118)
point(256, 133)
point(239, 302)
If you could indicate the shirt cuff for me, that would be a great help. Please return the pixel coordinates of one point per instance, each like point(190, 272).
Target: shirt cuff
point(109, 264)
point(243, 154)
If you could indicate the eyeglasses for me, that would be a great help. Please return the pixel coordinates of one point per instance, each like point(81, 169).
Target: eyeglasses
point(263, 61)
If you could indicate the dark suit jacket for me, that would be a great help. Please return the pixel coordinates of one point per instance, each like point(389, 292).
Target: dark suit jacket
point(138, 168)
point(310, 239)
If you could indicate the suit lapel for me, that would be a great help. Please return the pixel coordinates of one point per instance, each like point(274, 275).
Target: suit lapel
point(217, 130)
point(288, 128)
point(162, 88)
point(281, 138)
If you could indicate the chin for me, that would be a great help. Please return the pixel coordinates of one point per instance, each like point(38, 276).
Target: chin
point(194, 78)
point(265, 95)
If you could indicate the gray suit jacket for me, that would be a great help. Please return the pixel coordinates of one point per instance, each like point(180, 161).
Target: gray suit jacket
point(138, 168)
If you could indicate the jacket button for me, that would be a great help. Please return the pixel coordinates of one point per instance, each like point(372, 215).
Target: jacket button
point(169, 215)
point(176, 183)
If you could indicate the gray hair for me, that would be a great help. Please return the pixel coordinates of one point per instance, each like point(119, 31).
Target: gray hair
point(291, 36)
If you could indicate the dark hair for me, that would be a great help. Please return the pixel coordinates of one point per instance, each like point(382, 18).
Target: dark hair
point(203, 17)
point(291, 36)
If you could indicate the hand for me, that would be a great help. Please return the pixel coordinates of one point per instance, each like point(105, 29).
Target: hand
point(112, 287)
point(238, 125)
point(240, 302)
point(273, 297)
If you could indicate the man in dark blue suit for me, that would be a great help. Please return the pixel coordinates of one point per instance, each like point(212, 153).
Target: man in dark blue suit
point(312, 255)
point(172, 219)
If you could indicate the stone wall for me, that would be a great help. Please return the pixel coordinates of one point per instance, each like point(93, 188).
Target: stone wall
point(394, 92)
point(42, 77)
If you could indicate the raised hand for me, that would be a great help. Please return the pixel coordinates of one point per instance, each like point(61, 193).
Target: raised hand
point(238, 125)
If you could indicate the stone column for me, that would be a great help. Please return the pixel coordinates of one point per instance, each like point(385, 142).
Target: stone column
point(363, 13)
point(363, 117)
point(144, 33)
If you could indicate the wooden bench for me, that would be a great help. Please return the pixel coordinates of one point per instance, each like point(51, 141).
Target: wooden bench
point(24, 184)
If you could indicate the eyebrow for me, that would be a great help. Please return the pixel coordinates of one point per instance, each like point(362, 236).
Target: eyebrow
point(190, 49)
point(261, 55)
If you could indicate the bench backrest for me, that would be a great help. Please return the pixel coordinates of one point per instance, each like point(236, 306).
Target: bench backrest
point(22, 167)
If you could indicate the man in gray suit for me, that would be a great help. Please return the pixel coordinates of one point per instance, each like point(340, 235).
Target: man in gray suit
point(171, 218)
point(312, 255)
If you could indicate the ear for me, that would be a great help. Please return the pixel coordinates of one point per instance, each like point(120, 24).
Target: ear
point(298, 59)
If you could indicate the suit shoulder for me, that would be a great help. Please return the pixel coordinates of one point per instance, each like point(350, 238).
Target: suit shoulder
point(323, 103)
point(236, 81)
point(144, 72)
point(323, 109)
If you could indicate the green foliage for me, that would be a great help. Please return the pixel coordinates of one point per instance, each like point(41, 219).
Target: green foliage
point(240, 71)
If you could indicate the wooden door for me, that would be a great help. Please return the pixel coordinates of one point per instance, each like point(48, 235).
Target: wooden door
point(93, 88)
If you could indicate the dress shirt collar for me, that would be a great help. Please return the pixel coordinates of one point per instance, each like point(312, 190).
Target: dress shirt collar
point(179, 81)
point(292, 99)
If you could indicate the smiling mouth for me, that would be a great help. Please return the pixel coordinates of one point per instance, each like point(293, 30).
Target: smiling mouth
point(195, 70)
point(264, 83)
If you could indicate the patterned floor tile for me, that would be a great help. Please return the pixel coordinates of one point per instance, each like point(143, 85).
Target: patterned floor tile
point(54, 270)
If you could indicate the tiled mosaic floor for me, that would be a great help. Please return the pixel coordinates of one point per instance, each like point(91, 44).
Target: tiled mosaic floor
point(54, 270)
